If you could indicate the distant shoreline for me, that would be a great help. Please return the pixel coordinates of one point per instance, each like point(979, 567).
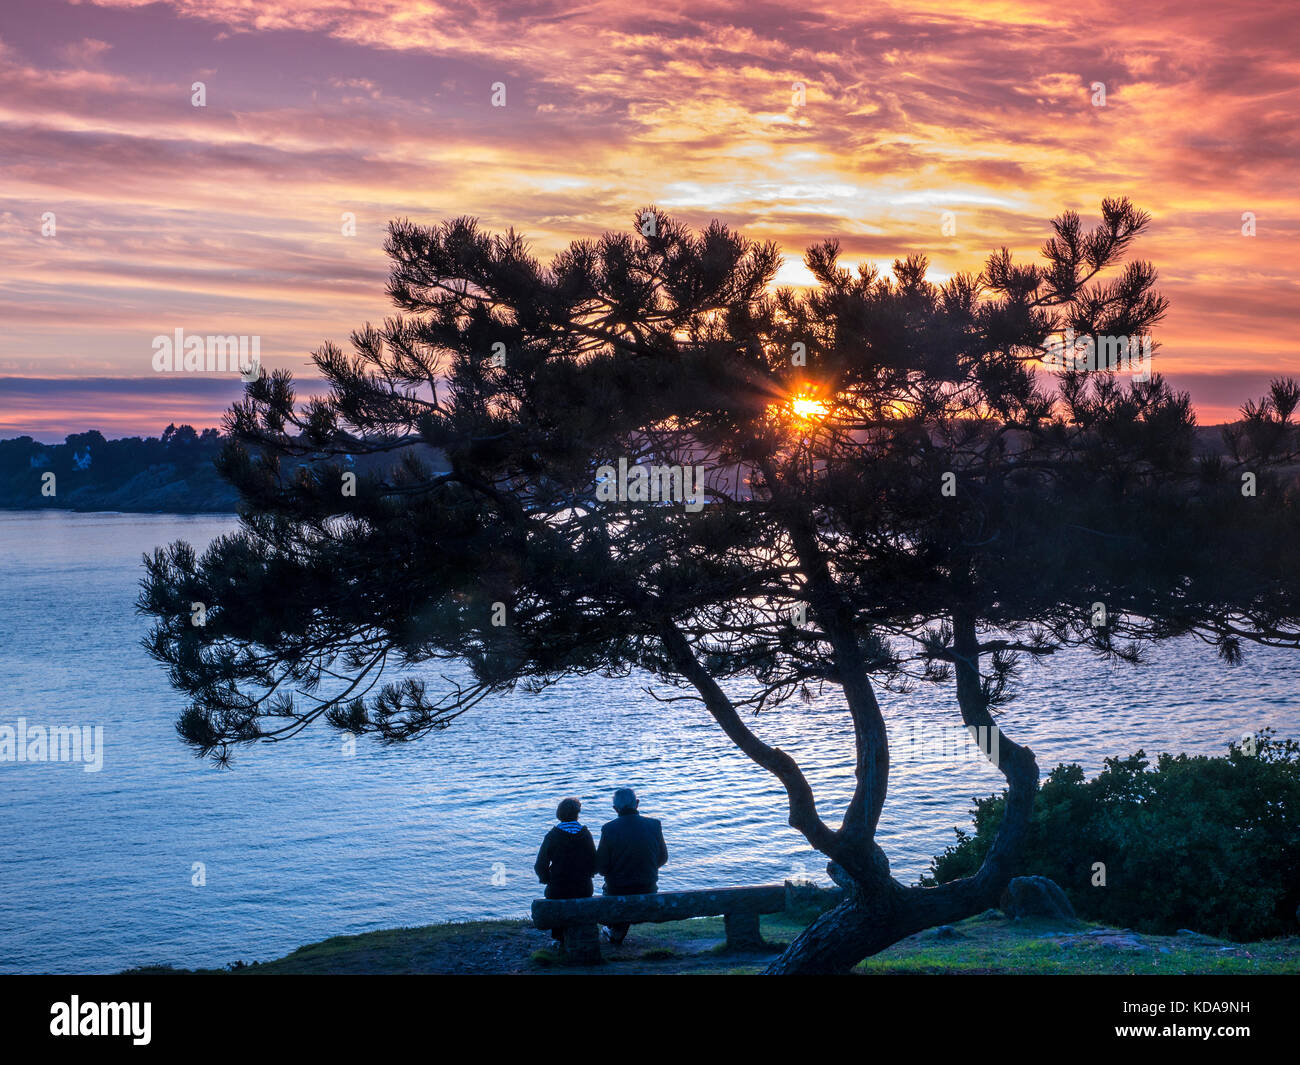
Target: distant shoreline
point(13, 508)
point(174, 473)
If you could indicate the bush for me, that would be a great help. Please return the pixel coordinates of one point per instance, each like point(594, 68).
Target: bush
point(1211, 844)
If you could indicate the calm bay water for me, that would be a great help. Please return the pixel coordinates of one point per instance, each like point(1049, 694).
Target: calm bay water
point(302, 841)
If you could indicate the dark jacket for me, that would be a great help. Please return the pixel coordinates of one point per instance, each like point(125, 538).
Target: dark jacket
point(566, 861)
point(630, 853)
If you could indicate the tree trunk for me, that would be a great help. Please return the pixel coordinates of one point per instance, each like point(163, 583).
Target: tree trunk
point(867, 922)
point(878, 911)
point(839, 939)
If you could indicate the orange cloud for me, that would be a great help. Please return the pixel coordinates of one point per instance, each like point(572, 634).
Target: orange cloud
point(865, 122)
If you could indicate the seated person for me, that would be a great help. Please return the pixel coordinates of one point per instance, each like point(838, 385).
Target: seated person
point(567, 860)
point(631, 851)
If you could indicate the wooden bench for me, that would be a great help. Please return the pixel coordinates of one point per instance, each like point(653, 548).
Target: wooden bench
point(740, 908)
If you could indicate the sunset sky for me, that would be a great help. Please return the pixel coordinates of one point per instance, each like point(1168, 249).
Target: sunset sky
point(227, 218)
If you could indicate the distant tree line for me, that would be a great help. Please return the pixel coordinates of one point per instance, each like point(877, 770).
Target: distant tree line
point(174, 471)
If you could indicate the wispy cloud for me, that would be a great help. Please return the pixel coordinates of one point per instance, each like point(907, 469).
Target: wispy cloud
point(229, 217)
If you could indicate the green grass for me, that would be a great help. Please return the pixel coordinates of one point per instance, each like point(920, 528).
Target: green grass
point(986, 944)
point(1001, 946)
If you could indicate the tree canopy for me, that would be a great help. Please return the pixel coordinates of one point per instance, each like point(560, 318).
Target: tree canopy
point(896, 493)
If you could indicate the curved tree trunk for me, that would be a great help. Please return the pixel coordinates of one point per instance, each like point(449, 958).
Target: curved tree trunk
point(867, 922)
point(877, 911)
point(877, 915)
point(862, 925)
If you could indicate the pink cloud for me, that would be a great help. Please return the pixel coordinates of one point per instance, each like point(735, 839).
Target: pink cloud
point(228, 217)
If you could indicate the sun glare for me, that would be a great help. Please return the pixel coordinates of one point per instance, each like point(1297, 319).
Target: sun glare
point(809, 409)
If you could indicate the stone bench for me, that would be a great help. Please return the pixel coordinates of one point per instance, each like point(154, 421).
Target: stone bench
point(740, 908)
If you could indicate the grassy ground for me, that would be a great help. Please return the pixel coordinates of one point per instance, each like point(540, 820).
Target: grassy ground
point(987, 944)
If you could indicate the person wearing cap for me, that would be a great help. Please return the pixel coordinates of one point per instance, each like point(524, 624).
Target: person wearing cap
point(567, 860)
point(630, 854)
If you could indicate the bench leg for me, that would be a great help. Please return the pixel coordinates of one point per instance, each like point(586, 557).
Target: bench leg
point(582, 943)
point(743, 932)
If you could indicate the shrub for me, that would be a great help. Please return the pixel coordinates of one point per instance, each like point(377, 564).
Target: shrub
point(1211, 844)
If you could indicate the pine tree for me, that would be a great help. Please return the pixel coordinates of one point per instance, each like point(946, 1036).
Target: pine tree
point(896, 494)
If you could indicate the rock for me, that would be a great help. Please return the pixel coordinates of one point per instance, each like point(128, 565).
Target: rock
point(1123, 941)
point(1036, 896)
point(1120, 939)
point(944, 931)
point(1197, 937)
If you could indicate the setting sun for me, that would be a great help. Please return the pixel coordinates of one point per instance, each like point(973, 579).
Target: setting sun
point(809, 409)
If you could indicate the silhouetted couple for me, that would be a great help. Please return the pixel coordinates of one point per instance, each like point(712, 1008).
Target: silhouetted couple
point(629, 856)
